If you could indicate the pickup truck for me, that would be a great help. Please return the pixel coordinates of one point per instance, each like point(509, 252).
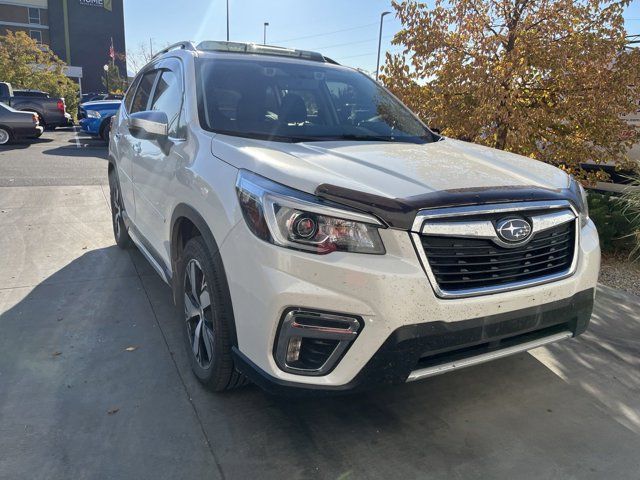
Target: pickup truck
point(52, 111)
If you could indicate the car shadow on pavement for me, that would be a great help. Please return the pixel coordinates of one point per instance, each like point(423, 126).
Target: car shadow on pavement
point(82, 151)
point(24, 143)
point(96, 382)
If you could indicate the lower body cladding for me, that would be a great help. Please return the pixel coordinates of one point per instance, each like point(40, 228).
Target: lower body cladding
point(343, 322)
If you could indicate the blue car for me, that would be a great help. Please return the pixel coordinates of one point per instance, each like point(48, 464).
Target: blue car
point(95, 117)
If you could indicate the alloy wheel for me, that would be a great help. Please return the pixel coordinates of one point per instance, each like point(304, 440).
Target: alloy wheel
point(197, 310)
point(116, 206)
point(4, 136)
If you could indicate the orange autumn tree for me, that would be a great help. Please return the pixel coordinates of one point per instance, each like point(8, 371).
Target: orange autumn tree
point(550, 79)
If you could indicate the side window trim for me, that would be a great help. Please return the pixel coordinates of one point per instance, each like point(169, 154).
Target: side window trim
point(152, 93)
point(133, 89)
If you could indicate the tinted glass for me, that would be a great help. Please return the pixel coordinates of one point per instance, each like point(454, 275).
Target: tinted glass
point(167, 98)
point(143, 91)
point(128, 99)
point(300, 101)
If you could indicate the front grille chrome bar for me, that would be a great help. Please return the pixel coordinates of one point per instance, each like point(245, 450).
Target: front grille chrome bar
point(423, 373)
point(428, 223)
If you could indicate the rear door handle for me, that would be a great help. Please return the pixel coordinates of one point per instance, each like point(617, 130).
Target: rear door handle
point(137, 148)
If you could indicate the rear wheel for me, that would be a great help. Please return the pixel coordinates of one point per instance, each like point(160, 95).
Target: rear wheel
point(207, 317)
point(120, 232)
point(5, 136)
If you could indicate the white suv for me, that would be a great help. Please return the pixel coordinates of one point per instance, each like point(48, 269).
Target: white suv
point(318, 236)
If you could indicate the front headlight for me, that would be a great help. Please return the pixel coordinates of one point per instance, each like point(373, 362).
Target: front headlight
point(93, 114)
point(297, 220)
point(583, 208)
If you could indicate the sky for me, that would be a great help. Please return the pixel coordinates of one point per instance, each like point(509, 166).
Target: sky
point(345, 30)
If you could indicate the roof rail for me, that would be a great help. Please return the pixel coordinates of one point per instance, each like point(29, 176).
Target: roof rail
point(242, 47)
point(186, 45)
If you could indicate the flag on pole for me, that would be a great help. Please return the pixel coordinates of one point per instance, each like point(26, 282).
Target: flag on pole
point(112, 52)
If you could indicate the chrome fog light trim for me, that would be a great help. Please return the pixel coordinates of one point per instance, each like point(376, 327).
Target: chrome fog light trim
point(311, 342)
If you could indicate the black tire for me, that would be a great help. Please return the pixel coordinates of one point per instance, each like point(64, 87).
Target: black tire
point(6, 137)
point(104, 131)
point(213, 364)
point(120, 232)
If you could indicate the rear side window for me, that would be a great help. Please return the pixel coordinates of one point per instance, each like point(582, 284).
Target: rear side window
point(167, 98)
point(141, 99)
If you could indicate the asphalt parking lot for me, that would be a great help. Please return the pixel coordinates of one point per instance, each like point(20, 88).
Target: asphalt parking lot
point(95, 383)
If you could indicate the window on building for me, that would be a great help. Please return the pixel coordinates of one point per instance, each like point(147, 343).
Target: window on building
point(168, 99)
point(34, 15)
point(36, 35)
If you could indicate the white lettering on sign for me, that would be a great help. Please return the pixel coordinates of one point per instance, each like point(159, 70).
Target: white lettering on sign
point(92, 3)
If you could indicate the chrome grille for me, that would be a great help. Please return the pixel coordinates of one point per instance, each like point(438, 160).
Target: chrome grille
point(464, 256)
point(463, 263)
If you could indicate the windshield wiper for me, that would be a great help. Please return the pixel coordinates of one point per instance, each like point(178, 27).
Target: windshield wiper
point(364, 138)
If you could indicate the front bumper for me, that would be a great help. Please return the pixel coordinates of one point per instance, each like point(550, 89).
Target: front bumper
point(418, 351)
point(404, 321)
point(90, 125)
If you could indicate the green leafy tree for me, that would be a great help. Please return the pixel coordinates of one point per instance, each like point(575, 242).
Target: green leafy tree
point(113, 81)
point(549, 79)
point(27, 64)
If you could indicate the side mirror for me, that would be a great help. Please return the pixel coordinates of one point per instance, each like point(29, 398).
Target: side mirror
point(149, 125)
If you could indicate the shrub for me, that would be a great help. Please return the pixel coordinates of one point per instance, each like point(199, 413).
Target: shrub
point(614, 223)
point(631, 201)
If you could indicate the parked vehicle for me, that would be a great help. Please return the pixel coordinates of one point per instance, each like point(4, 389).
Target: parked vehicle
point(52, 111)
point(16, 125)
point(318, 236)
point(95, 117)
point(31, 93)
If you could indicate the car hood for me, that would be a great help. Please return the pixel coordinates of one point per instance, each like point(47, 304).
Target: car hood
point(101, 105)
point(392, 170)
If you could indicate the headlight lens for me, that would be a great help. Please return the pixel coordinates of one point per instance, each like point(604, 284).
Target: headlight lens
point(294, 219)
point(93, 114)
point(583, 208)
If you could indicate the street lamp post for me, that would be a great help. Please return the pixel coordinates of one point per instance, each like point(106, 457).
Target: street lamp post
point(264, 41)
point(106, 74)
point(227, 20)
point(380, 42)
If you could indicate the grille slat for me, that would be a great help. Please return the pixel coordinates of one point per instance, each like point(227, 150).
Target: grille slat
point(504, 269)
point(528, 256)
point(464, 263)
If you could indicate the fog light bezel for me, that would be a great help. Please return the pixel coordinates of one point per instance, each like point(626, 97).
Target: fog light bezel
point(290, 326)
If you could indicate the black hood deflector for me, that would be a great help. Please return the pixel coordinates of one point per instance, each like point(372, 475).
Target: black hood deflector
point(401, 212)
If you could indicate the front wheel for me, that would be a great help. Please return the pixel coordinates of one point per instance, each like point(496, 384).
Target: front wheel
point(120, 232)
point(104, 131)
point(207, 316)
point(5, 136)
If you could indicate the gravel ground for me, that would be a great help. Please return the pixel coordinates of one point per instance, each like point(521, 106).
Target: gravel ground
point(618, 271)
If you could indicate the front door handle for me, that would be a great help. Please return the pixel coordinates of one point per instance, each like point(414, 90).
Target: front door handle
point(137, 148)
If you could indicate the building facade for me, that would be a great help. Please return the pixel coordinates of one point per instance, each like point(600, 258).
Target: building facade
point(80, 32)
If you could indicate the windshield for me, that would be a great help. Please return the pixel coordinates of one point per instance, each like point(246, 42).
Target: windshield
point(296, 102)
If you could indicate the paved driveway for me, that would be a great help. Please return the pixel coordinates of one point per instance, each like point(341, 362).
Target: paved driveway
point(94, 381)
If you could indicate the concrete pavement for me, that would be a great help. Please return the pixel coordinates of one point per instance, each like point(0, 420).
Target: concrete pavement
point(95, 382)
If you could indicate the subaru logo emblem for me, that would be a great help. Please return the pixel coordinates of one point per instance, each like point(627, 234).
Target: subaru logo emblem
point(513, 229)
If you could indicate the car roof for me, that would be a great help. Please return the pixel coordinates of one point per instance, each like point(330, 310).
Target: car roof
point(245, 51)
